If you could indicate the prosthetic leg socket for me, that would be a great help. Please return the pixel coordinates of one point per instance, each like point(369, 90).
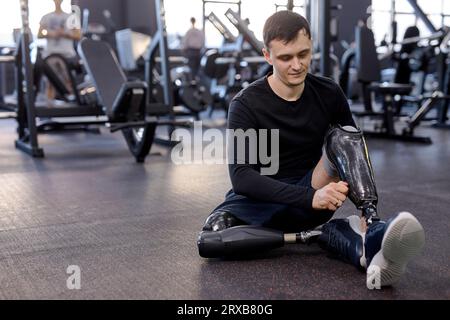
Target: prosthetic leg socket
point(347, 150)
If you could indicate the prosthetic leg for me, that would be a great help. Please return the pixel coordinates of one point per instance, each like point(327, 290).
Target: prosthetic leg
point(240, 240)
point(384, 248)
point(347, 150)
point(224, 235)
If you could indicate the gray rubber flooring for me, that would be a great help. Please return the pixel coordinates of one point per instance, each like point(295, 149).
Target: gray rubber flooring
point(132, 228)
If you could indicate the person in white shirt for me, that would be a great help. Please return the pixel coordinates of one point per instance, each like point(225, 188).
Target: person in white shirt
point(192, 45)
point(61, 35)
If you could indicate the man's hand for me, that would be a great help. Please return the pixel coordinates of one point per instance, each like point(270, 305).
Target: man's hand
point(54, 34)
point(330, 197)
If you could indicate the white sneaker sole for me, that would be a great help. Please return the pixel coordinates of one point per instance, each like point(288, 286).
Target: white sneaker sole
point(403, 240)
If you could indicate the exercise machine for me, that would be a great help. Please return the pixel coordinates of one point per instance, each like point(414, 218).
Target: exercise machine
point(442, 95)
point(7, 107)
point(206, 3)
point(122, 104)
point(368, 72)
point(235, 64)
point(66, 76)
point(228, 36)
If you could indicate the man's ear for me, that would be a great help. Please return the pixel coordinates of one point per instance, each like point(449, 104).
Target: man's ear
point(266, 54)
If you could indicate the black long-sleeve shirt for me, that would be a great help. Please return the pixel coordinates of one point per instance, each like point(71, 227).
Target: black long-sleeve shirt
point(302, 126)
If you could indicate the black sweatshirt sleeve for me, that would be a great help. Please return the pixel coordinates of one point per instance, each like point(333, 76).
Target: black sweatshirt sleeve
point(246, 178)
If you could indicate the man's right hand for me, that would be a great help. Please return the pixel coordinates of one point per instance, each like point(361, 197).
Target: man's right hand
point(54, 34)
point(330, 197)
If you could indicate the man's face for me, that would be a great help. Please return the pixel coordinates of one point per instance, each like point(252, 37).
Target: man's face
point(58, 2)
point(291, 60)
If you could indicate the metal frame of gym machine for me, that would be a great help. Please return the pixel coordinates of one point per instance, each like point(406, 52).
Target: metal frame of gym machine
point(289, 6)
point(159, 46)
point(206, 2)
point(241, 26)
point(221, 27)
point(248, 37)
point(319, 15)
point(7, 108)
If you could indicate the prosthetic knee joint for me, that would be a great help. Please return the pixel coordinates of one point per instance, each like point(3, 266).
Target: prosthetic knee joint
point(347, 150)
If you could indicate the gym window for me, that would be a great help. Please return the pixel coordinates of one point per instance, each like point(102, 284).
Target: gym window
point(178, 14)
point(10, 17)
point(438, 11)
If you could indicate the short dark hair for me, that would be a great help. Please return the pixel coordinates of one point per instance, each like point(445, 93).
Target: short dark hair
point(193, 20)
point(284, 26)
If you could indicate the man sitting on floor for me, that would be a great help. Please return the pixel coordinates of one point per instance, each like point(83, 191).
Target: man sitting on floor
point(313, 179)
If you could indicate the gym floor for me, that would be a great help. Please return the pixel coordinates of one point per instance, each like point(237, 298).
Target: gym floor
point(132, 228)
